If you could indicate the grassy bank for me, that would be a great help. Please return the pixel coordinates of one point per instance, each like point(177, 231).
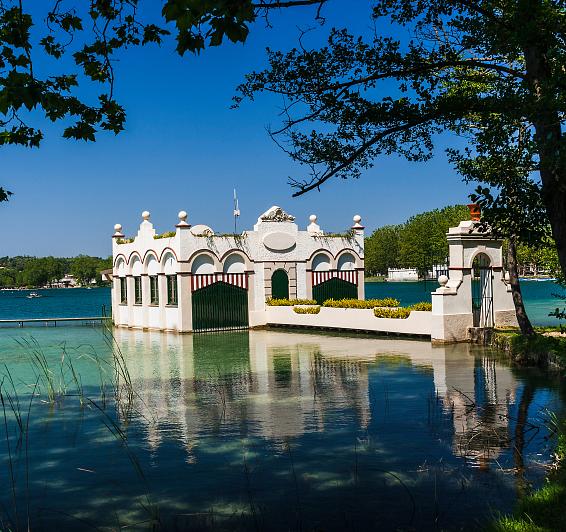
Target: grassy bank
point(538, 350)
point(543, 509)
point(375, 279)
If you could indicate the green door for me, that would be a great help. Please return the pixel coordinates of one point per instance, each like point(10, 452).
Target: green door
point(334, 288)
point(280, 285)
point(220, 306)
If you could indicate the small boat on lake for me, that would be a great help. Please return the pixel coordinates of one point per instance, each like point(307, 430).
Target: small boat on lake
point(33, 295)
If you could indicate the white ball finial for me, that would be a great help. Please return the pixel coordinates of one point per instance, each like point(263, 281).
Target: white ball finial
point(118, 228)
point(442, 280)
point(312, 218)
point(183, 216)
point(357, 219)
point(145, 215)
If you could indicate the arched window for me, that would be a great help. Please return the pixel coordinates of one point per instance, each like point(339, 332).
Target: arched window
point(203, 264)
point(321, 263)
point(346, 262)
point(152, 267)
point(280, 285)
point(170, 269)
point(121, 271)
point(234, 263)
point(136, 272)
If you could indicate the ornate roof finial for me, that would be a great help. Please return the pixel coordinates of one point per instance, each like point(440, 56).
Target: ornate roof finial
point(118, 231)
point(183, 219)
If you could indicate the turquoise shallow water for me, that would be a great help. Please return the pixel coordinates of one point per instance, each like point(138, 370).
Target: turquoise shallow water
point(265, 430)
point(539, 297)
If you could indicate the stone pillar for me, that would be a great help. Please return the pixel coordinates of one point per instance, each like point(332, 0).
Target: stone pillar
point(358, 230)
point(116, 314)
point(162, 287)
point(146, 299)
point(452, 302)
point(131, 297)
point(361, 285)
point(185, 300)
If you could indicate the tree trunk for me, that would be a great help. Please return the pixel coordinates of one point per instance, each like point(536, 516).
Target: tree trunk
point(522, 317)
point(519, 444)
point(546, 120)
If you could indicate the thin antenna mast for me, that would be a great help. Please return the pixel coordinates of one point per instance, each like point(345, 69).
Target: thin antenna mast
point(236, 212)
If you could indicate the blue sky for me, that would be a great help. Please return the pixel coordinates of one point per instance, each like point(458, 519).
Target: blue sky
point(184, 148)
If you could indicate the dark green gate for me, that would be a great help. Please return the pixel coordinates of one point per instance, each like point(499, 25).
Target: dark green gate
point(482, 291)
point(280, 285)
point(220, 306)
point(334, 288)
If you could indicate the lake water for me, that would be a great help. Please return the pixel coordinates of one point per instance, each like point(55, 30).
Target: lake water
point(79, 302)
point(262, 430)
point(266, 430)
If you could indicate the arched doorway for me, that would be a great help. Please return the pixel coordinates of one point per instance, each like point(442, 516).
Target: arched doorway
point(219, 300)
point(280, 285)
point(482, 291)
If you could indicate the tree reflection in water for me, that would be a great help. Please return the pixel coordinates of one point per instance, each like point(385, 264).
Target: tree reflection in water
point(285, 430)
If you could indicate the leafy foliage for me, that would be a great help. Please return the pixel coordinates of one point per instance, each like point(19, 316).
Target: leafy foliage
point(307, 310)
point(361, 303)
point(423, 241)
point(396, 313)
point(168, 234)
point(288, 302)
point(32, 271)
point(422, 306)
point(81, 43)
point(418, 243)
point(382, 249)
point(492, 70)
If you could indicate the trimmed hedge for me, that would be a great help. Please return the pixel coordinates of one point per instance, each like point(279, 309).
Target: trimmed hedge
point(397, 313)
point(306, 310)
point(360, 303)
point(422, 306)
point(289, 302)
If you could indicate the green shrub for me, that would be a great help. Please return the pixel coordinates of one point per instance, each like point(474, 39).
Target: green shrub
point(423, 306)
point(124, 240)
point(361, 303)
point(169, 234)
point(306, 310)
point(289, 302)
point(398, 313)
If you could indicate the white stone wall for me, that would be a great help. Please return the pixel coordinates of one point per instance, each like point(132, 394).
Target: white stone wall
point(275, 242)
point(452, 302)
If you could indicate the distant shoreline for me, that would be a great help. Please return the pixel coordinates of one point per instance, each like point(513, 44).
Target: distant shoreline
point(22, 289)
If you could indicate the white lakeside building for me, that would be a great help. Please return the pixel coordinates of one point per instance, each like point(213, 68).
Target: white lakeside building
point(193, 279)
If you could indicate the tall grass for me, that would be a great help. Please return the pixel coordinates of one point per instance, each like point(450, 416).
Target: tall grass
point(57, 379)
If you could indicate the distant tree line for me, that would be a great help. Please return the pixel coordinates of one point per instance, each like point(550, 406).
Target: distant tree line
point(43, 271)
point(421, 243)
point(418, 243)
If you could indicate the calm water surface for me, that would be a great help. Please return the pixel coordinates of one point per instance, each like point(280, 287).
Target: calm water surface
point(266, 430)
point(80, 302)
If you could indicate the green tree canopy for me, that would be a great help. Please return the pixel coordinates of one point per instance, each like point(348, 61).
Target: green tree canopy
point(418, 243)
point(423, 239)
point(451, 64)
point(33, 271)
point(382, 249)
point(432, 65)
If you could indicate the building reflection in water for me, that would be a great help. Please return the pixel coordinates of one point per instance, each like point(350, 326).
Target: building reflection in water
point(269, 384)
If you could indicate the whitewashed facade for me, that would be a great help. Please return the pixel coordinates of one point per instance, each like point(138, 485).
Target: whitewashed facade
point(156, 277)
point(193, 280)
